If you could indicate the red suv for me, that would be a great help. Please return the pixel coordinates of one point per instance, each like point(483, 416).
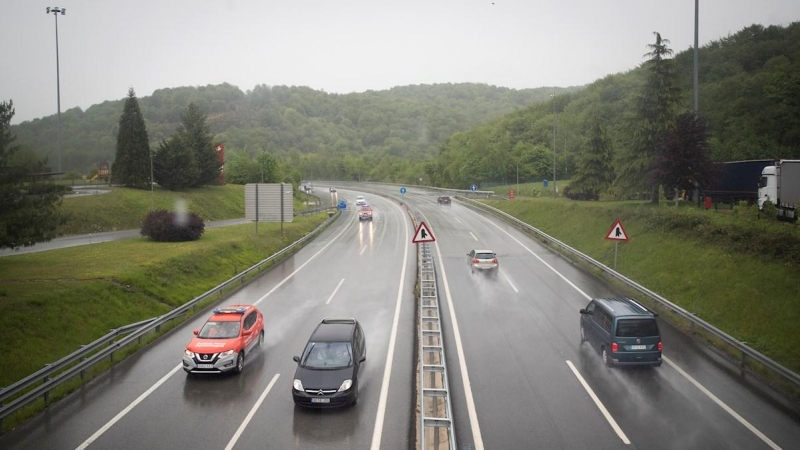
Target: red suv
point(228, 336)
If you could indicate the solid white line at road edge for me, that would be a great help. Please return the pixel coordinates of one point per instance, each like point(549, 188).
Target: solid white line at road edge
point(696, 383)
point(387, 372)
point(127, 409)
point(599, 404)
point(252, 412)
point(722, 405)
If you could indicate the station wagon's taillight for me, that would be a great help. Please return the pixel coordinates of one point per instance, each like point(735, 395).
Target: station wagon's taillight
point(660, 346)
point(614, 347)
point(475, 261)
point(494, 261)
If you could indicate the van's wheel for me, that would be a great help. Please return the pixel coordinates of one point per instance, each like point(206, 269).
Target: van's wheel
point(583, 335)
point(261, 338)
point(240, 363)
point(606, 359)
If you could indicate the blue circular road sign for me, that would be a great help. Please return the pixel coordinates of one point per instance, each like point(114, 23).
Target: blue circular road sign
point(402, 190)
point(474, 187)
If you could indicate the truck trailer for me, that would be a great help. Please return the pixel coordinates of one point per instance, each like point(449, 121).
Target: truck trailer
point(736, 181)
point(780, 184)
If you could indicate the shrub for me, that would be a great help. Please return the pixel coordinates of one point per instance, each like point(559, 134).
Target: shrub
point(165, 226)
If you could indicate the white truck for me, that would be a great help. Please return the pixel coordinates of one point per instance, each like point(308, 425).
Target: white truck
point(780, 184)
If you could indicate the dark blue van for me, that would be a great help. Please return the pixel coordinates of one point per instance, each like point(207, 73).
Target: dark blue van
point(623, 331)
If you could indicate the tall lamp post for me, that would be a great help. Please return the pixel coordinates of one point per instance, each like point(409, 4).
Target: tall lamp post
point(56, 11)
point(555, 189)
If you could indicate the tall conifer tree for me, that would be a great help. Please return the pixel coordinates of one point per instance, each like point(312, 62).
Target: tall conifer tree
point(132, 163)
point(196, 135)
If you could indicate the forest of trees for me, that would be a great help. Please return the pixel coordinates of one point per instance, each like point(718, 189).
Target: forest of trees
point(459, 134)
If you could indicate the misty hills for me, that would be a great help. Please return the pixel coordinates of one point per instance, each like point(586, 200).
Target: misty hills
point(406, 122)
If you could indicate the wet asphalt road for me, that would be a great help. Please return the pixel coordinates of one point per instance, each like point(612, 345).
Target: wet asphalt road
point(528, 373)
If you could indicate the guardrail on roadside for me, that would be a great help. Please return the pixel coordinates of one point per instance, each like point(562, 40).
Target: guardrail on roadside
point(39, 384)
point(736, 345)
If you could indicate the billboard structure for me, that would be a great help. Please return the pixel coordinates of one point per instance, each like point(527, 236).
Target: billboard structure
point(268, 202)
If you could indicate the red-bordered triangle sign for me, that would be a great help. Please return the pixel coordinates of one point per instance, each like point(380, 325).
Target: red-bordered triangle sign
point(617, 232)
point(423, 234)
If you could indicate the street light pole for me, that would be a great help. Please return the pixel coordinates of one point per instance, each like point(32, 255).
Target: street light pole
point(56, 11)
point(555, 189)
point(695, 76)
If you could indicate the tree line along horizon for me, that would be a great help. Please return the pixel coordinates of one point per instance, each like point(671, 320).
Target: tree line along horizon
point(629, 133)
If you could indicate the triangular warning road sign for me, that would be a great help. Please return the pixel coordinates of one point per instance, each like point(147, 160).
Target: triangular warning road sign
point(423, 234)
point(617, 232)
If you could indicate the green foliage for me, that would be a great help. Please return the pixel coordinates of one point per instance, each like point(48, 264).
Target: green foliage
point(175, 164)
point(165, 226)
point(683, 157)
point(132, 163)
point(196, 136)
point(594, 172)
point(29, 209)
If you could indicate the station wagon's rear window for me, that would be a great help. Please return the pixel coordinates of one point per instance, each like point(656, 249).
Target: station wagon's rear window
point(484, 255)
point(637, 328)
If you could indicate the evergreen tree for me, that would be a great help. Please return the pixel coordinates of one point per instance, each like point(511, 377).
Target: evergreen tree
point(174, 165)
point(29, 210)
point(132, 163)
point(684, 161)
point(195, 133)
point(594, 172)
point(654, 117)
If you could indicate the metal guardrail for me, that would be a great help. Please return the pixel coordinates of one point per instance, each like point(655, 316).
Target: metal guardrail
point(39, 384)
point(746, 351)
point(436, 420)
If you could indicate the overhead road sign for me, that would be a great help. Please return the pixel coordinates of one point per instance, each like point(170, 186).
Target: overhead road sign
point(423, 234)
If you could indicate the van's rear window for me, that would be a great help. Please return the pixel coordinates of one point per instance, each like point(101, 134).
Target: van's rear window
point(637, 328)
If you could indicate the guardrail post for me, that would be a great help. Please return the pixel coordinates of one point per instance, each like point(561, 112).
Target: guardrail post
point(47, 393)
point(743, 365)
point(82, 371)
point(111, 355)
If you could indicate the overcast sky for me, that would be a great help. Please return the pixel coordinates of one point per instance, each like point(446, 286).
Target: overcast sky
point(106, 46)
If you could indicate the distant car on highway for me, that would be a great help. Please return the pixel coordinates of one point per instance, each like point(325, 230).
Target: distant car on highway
point(365, 213)
point(483, 260)
point(623, 331)
point(327, 371)
point(333, 189)
point(444, 200)
point(360, 200)
point(226, 339)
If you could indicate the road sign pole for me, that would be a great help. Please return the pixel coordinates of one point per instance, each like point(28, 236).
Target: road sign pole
point(616, 247)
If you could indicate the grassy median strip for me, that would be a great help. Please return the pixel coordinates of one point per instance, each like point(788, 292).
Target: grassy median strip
point(53, 302)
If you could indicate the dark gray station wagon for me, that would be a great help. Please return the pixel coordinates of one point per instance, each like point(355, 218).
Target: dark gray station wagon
point(623, 331)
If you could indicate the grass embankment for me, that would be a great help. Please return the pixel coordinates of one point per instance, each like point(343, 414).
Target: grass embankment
point(736, 270)
point(125, 209)
point(52, 302)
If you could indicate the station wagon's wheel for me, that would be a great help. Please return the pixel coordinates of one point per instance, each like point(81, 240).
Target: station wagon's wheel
point(240, 363)
point(355, 400)
point(583, 335)
point(261, 338)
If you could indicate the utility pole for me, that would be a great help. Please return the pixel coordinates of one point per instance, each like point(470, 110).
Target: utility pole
point(56, 11)
point(555, 188)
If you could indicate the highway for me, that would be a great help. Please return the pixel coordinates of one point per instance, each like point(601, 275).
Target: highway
point(520, 378)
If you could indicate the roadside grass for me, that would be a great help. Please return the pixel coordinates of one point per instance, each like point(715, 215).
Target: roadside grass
point(125, 208)
point(53, 302)
point(713, 265)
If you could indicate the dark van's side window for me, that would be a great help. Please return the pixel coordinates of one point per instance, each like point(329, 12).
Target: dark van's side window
point(602, 319)
point(637, 328)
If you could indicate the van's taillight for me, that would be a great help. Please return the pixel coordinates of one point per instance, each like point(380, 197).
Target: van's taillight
point(614, 347)
point(475, 260)
point(660, 346)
